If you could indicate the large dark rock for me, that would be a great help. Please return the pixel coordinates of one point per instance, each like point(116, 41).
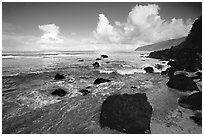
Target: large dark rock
point(149, 69)
point(181, 82)
point(104, 56)
point(59, 77)
point(84, 92)
point(101, 80)
point(96, 65)
point(193, 101)
point(127, 113)
point(59, 92)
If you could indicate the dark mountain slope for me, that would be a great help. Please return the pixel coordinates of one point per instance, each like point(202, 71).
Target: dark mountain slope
point(161, 45)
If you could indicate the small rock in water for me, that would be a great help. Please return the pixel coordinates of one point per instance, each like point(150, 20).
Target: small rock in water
point(96, 65)
point(84, 92)
point(149, 69)
point(104, 56)
point(80, 60)
point(59, 77)
point(101, 80)
point(98, 58)
point(59, 92)
point(193, 101)
point(127, 113)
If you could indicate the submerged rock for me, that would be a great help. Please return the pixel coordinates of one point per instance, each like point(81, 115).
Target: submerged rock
point(96, 65)
point(127, 113)
point(59, 77)
point(181, 82)
point(101, 80)
point(98, 58)
point(104, 56)
point(158, 66)
point(193, 101)
point(59, 92)
point(149, 69)
point(197, 118)
point(84, 92)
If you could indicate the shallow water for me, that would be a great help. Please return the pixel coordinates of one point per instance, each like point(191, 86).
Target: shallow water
point(28, 80)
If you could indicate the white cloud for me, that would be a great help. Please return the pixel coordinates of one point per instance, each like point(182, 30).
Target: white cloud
point(50, 34)
point(105, 32)
point(144, 26)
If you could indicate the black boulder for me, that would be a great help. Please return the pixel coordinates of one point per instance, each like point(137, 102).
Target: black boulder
point(80, 60)
point(127, 113)
point(101, 80)
point(59, 92)
point(181, 82)
point(193, 101)
point(95, 64)
point(59, 77)
point(149, 69)
point(104, 56)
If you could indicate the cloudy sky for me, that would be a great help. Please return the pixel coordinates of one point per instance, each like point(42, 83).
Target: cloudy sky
point(93, 26)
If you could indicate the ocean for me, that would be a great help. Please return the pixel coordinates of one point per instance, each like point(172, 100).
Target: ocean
point(28, 80)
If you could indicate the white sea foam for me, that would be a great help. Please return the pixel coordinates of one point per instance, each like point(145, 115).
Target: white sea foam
point(130, 71)
point(106, 71)
point(9, 57)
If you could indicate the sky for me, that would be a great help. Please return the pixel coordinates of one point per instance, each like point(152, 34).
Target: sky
point(36, 26)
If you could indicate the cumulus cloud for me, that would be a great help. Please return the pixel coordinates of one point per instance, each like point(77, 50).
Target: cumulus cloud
point(144, 26)
point(105, 32)
point(50, 34)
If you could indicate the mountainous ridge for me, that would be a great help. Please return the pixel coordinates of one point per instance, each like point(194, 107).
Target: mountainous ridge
point(161, 45)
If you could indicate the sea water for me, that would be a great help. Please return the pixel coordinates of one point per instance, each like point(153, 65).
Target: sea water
point(28, 80)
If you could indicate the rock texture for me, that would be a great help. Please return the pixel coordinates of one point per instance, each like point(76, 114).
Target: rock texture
point(127, 113)
point(193, 101)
